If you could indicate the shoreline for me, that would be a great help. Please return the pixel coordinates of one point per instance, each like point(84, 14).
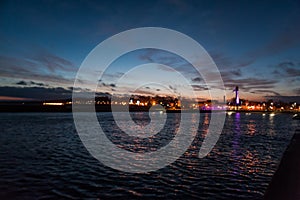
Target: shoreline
point(105, 108)
point(59, 110)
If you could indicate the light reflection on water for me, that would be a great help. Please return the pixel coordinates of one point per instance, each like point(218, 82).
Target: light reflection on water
point(42, 156)
point(235, 142)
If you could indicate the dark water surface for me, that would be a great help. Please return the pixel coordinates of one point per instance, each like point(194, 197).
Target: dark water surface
point(42, 157)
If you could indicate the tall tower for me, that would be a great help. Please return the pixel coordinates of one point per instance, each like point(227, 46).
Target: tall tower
point(237, 99)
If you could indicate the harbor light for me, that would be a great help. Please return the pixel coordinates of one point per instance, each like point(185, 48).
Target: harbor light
point(53, 104)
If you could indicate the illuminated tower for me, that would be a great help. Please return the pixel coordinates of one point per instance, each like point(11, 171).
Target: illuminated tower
point(237, 99)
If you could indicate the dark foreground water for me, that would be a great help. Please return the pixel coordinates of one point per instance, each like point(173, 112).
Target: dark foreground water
point(42, 157)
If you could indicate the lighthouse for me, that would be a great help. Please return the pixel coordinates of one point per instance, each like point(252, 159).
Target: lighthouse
point(237, 99)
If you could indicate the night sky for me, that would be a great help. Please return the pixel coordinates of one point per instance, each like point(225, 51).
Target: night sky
point(255, 44)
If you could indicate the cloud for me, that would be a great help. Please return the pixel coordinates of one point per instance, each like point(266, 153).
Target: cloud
point(31, 83)
point(227, 65)
point(276, 72)
point(284, 40)
point(171, 87)
point(287, 69)
point(197, 79)
point(292, 72)
point(287, 64)
point(111, 76)
point(225, 62)
point(297, 91)
point(230, 70)
point(51, 61)
point(39, 93)
point(38, 84)
point(249, 84)
point(21, 83)
point(144, 92)
point(148, 55)
point(267, 92)
point(106, 94)
point(112, 85)
point(165, 58)
point(78, 89)
point(231, 74)
point(236, 72)
point(22, 68)
point(199, 88)
point(10, 66)
point(287, 99)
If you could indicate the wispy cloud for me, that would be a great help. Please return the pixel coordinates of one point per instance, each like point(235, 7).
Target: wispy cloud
point(199, 87)
point(162, 57)
point(225, 62)
point(111, 77)
point(292, 72)
point(249, 84)
point(287, 99)
point(108, 85)
point(269, 92)
point(34, 69)
point(51, 61)
point(230, 70)
point(287, 69)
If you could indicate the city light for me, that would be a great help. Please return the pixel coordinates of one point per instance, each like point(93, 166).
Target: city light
point(53, 104)
point(174, 104)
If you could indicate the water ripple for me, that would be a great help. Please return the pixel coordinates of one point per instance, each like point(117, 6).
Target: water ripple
point(42, 157)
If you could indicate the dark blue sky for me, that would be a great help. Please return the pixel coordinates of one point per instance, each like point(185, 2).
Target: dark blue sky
point(255, 44)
